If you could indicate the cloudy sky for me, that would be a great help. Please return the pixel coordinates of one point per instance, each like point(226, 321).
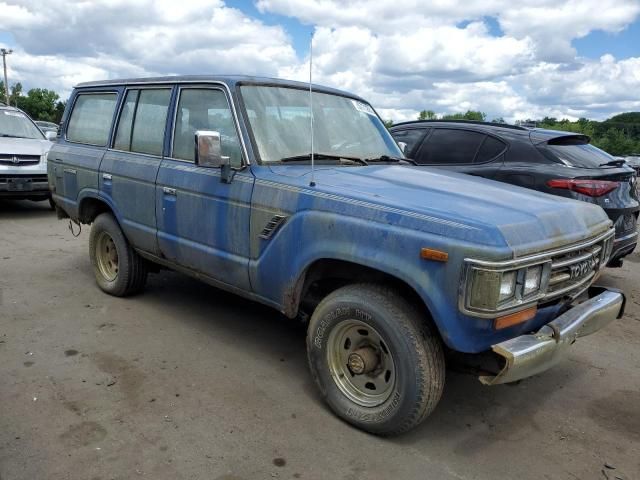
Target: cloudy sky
point(562, 58)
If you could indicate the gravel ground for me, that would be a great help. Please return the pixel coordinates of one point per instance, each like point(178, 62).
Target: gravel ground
point(188, 382)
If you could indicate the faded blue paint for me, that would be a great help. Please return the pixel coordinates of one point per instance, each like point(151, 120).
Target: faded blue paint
point(378, 215)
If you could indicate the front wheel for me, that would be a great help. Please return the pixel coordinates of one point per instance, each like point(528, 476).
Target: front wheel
point(377, 362)
point(118, 269)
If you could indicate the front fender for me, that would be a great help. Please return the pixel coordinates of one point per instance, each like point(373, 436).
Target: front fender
point(309, 236)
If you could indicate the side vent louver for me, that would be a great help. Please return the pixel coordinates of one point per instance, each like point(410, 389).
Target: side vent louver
point(272, 226)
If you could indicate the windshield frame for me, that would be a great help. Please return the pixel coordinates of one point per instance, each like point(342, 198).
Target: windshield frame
point(303, 88)
point(29, 119)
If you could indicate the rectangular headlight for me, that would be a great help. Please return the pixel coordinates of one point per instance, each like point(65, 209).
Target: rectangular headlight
point(490, 288)
point(499, 290)
point(532, 280)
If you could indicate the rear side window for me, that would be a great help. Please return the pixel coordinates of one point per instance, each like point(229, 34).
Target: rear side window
point(143, 120)
point(490, 149)
point(91, 118)
point(448, 146)
point(411, 137)
point(575, 151)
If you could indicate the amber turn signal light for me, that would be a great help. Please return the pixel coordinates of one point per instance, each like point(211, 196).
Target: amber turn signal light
point(431, 254)
point(515, 318)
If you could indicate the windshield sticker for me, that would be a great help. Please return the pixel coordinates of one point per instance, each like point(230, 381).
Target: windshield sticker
point(363, 107)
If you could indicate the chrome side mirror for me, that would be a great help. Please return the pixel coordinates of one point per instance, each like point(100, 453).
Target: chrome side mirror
point(403, 147)
point(51, 136)
point(208, 153)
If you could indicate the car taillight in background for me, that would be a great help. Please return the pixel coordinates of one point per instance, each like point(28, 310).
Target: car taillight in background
point(591, 188)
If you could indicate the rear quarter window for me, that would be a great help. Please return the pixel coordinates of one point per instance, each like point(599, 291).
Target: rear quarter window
point(490, 149)
point(91, 117)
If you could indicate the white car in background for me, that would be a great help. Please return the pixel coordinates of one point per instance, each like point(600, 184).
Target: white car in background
point(23, 156)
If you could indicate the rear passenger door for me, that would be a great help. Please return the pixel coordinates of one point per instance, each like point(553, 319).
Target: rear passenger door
point(129, 168)
point(461, 150)
point(74, 161)
point(203, 223)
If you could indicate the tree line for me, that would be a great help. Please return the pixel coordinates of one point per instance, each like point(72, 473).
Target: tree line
point(38, 103)
point(618, 135)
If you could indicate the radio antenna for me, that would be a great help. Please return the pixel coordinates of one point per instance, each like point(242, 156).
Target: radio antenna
point(313, 182)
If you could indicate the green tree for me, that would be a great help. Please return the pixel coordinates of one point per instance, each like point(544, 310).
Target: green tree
point(498, 120)
point(427, 115)
point(60, 106)
point(39, 103)
point(468, 115)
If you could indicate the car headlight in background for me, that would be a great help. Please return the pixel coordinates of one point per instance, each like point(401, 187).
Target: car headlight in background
point(492, 291)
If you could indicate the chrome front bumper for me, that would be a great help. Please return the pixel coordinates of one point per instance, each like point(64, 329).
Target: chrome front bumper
point(531, 354)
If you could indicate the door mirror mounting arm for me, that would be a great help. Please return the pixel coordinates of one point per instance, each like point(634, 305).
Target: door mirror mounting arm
point(226, 172)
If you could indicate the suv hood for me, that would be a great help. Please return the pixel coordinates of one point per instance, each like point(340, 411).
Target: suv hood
point(24, 146)
point(480, 210)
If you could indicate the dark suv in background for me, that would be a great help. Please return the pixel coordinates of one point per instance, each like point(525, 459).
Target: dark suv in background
point(560, 163)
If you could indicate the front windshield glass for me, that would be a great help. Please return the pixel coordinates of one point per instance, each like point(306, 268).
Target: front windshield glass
point(279, 119)
point(16, 124)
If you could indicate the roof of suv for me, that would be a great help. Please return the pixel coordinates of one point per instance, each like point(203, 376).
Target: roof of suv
point(230, 80)
point(537, 135)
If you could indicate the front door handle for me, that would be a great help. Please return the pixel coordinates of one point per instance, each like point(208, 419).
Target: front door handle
point(169, 191)
point(70, 170)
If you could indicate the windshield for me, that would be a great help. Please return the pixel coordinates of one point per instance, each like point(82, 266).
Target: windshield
point(17, 124)
point(280, 123)
point(575, 152)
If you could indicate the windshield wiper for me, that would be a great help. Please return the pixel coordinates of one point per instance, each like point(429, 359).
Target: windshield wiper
point(322, 156)
point(613, 163)
point(387, 158)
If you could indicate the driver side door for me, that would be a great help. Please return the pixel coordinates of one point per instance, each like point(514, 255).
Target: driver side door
point(203, 223)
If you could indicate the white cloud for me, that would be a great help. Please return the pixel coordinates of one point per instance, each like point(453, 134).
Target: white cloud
point(110, 39)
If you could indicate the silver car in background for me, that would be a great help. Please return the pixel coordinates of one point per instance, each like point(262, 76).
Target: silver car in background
point(47, 126)
point(23, 156)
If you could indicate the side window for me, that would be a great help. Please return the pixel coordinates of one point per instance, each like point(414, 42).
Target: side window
point(204, 109)
point(123, 134)
point(490, 149)
point(91, 118)
point(142, 121)
point(411, 137)
point(448, 146)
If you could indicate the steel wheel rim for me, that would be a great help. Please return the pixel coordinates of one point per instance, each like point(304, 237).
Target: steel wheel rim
point(346, 340)
point(107, 257)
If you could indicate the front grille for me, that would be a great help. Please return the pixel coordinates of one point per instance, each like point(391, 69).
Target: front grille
point(573, 270)
point(19, 160)
point(26, 178)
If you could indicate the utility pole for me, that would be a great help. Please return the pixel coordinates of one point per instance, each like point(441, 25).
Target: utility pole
point(4, 53)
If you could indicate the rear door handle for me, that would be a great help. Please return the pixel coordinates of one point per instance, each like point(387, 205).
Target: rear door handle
point(70, 170)
point(107, 176)
point(169, 191)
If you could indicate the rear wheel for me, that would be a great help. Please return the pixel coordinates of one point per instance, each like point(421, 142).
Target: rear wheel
point(377, 362)
point(118, 269)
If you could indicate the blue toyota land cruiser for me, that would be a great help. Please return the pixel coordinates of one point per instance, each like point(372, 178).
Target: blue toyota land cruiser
point(395, 268)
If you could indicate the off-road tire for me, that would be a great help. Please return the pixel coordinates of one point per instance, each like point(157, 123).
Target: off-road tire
point(415, 345)
point(132, 269)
